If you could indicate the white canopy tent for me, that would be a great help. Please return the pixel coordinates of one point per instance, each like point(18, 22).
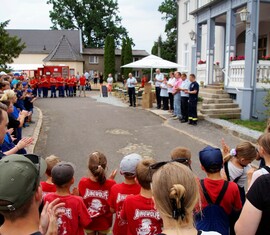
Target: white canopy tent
point(151, 62)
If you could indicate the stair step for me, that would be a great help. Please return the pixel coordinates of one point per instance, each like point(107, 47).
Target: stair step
point(225, 116)
point(212, 91)
point(220, 106)
point(216, 101)
point(210, 95)
point(215, 86)
point(220, 111)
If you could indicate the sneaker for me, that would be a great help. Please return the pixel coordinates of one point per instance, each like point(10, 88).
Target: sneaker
point(173, 115)
point(175, 118)
point(183, 120)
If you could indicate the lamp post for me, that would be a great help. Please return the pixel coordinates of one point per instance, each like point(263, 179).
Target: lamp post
point(192, 35)
point(244, 16)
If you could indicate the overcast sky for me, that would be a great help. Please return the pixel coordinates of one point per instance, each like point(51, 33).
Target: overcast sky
point(141, 18)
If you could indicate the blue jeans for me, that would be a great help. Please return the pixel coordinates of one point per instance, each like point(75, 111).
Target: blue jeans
point(177, 104)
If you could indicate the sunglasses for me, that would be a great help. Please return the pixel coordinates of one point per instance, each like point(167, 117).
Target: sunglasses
point(157, 165)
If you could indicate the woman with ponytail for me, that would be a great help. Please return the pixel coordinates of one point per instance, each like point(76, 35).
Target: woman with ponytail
point(176, 192)
point(95, 191)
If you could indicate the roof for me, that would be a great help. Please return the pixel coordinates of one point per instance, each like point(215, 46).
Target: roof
point(97, 51)
point(63, 51)
point(44, 41)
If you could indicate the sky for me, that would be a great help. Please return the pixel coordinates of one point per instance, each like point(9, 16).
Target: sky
point(141, 18)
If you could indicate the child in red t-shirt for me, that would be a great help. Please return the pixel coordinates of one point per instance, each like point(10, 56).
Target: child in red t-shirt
point(48, 186)
point(139, 210)
point(74, 216)
point(95, 191)
point(119, 192)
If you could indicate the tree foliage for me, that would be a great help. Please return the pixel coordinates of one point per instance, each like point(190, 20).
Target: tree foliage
point(95, 18)
point(109, 56)
point(10, 46)
point(168, 9)
point(128, 58)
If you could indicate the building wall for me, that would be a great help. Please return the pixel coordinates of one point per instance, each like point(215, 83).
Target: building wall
point(30, 59)
point(76, 66)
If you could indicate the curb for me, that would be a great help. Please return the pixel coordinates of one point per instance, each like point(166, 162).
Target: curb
point(36, 132)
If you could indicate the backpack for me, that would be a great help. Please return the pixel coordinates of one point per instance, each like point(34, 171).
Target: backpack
point(213, 217)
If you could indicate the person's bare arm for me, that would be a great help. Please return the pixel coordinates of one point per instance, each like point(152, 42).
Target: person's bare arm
point(249, 220)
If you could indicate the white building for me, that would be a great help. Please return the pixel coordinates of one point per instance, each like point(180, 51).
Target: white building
point(219, 36)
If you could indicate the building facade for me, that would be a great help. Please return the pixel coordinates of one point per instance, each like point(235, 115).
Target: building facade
point(230, 44)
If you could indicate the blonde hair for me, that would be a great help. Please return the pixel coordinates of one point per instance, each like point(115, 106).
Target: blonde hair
point(175, 188)
point(264, 142)
point(51, 161)
point(244, 150)
point(180, 152)
point(8, 95)
point(97, 164)
point(142, 172)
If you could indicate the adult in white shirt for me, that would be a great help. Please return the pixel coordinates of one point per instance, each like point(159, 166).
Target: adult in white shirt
point(110, 82)
point(158, 80)
point(184, 97)
point(131, 82)
point(170, 85)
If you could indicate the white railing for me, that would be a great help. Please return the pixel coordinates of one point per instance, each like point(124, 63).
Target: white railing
point(218, 74)
point(237, 74)
point(201, 73)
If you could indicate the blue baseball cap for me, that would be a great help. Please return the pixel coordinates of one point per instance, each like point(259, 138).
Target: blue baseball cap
point(211, 158)
point(29, 90)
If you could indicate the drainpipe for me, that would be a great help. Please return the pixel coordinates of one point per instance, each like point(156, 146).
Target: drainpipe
point(255, 58)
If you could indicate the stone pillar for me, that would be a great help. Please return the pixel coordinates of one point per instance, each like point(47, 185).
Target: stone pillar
point(198, 48)
point(230, 43)
point(251, 48)
point(210, 51)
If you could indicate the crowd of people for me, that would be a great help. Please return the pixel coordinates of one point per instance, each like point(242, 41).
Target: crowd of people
point(154, 198)
point(178, 94)
point(164, 198)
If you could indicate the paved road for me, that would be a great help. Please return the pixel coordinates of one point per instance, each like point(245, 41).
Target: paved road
point(74, 127)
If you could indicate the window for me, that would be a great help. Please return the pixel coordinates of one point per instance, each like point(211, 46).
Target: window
point(186, 13)
point(136, 73)
point(93, 60)
point(185, 55)
point(135, 59)
point(262, 46)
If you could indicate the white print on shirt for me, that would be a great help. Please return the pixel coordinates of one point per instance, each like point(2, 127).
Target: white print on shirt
point(96, 193)
point(96, 208)
point(146, 213)
point(145, 228)
point(121, 197)
point(66, 211)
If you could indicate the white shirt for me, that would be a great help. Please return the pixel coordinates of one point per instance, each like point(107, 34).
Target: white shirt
point(110, 80)
point(257, 174)
point(159, 78)
point(185, 85)
point(164, 90)
point(171, 82)
point(235, 172)
point(131, 82)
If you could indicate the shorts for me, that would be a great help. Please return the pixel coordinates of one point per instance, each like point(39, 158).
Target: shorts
point(101, 231)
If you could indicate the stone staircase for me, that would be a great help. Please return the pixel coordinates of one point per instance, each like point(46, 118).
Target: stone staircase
point(217, 103)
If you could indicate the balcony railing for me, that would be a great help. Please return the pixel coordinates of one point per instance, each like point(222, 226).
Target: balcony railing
point(201, 74)
point(237, 74)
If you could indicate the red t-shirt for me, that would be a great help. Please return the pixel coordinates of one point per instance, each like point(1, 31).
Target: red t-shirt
point(141, 215)
point(231, 199)
point(53, 81)
point(119, 192)
point(60, 81)
point(82, 81)
point(75, 216)
point(95, 197)
point(47, 188)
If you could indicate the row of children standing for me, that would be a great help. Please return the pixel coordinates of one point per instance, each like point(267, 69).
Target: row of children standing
point(179, 95)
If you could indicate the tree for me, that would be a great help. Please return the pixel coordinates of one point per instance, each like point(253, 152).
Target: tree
point(95, 18)
point(123, 54)
point(128, 58)
point(168, 47)
point(10, 46)
point(109, 56)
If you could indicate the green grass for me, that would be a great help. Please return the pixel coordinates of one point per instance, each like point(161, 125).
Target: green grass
point(254, 125)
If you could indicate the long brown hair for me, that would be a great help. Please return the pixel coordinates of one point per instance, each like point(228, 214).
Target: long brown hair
point(97, 165)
